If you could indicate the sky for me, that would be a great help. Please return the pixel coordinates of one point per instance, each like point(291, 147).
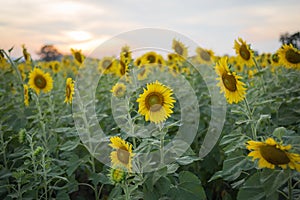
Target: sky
point(87, 24)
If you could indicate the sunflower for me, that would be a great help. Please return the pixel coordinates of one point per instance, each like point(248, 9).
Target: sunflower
point(174, 69)
point(205, 56)
point(173, 58)
point(39, 80)
point(122, 68)
point(179, 48)
point(117, 174)
point(55, 66)
point(138, 62)
point(125, 55)
point(161, 63)
point(149, 58)
point(26, 55)
point(69, 90)
point(289, 56)
point(119, 90)
point(156, 102)
point(107, 65)
point(123, 154)
point(275, 60)
point(143, 73)
point(78, 56)
point(244, 52)
point(230, 83)
point(26, 95)
point(271, 154)
point(186, 70)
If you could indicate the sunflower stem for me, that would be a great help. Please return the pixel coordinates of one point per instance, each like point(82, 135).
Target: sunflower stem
point(162, 156)
point(290, 185)
point(262, 77)
point(41, 120)
point(250, 117)
point(94, 171)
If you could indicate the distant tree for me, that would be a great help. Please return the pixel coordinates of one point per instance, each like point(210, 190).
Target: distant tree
point(49, 53)
point(293, 39)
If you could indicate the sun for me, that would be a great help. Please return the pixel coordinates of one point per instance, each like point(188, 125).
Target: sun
point(79, 36)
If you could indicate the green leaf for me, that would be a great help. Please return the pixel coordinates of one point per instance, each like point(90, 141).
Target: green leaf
point(189, 187)
point(115, 193)
point(186, 160)
point(70, 145)
point(263, 185)
point(279, 132)
point(63, 195)
point(252, 190)
point(273, 179)
point(233, 167)
point(9, 50)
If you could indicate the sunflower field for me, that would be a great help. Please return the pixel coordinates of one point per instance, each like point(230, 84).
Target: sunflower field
point(151, 125)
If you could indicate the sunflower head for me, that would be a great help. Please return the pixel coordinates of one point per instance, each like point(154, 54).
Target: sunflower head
point(107, 65)
point(69, 90)
point(204, 55)
point(40, 81)
point(289, 56)
point(125, 55)
point(230, 83)
point(122, 68)
point(119, 90)
point(272, 154)
point(138, 62)
point(26, 95)
point(156, 102)
point(179, 48)
point(143, 73)
point(244, 52)
point(26, 55)
point(117, 174)
point(149, 58)
point(122, 156)
point(78, 56)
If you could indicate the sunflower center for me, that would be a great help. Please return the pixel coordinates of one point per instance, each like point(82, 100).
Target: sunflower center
point(68, 91)
point(178, 49)
point(244, 52)
point(78, 57)
point(292, 56)
point(205, 55)
point(40, 82)
point(229, 82)
point(274, 155)
point(106, 64)
point(123, 155)
point(151, 59)
point(154, 101)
